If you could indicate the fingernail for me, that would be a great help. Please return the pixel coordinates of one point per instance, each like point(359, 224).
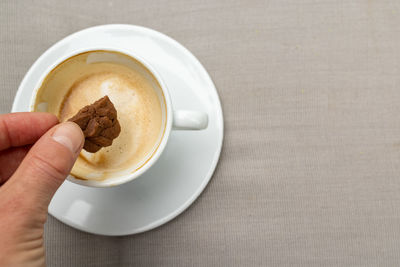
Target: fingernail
point(69, 135)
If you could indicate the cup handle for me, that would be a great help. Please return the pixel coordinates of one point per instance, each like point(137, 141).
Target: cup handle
point(189, 120)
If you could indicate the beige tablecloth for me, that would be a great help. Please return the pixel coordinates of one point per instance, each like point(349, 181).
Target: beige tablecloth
point(309, 172)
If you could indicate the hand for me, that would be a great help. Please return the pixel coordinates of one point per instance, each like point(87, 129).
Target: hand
point(36, 155)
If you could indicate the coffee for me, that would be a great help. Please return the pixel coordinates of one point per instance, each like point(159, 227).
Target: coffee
point(84, 78)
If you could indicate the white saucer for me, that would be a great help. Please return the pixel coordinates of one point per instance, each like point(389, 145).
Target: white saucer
point(186, 165)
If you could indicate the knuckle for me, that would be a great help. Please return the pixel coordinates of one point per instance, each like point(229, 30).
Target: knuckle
point(48, 168)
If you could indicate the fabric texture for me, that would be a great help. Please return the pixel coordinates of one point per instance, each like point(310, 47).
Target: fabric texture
point(309, 172)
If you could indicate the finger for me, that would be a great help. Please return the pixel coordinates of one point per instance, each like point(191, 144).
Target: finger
point(19, 129)
point(46, 166)
point(10, 160)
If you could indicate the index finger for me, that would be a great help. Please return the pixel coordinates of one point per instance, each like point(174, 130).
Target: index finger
point(24, 128)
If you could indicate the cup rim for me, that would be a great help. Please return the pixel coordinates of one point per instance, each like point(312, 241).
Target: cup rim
point(111, 182)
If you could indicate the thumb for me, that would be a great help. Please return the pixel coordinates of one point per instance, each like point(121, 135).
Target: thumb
point(46, 165)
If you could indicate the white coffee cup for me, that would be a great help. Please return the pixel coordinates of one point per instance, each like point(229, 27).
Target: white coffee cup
point(173, 119)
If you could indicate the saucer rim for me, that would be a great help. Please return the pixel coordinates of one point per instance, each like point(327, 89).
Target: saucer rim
point(219, 115)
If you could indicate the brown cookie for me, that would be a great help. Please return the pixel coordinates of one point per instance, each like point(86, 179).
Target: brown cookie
point(99, 124)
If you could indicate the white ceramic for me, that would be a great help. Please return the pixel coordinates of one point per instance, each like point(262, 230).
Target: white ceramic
point(178, 119)
point(189, 158)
